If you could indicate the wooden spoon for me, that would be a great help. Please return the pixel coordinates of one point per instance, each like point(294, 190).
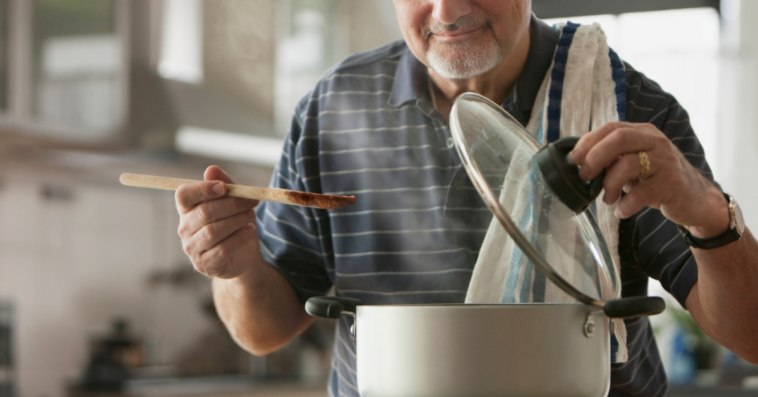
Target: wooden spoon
point(292, 197)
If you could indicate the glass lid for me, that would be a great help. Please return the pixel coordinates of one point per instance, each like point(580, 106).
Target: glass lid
point(498, 154)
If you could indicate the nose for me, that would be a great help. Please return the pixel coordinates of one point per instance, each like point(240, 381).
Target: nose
point(449, 11)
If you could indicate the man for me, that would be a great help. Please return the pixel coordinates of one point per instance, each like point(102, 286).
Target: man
point(376, 127)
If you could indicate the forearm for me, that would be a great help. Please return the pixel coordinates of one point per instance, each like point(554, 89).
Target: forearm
point(260, 310)
point(724, 300)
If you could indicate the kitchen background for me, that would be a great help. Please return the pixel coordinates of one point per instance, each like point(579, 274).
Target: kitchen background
point(96, 295)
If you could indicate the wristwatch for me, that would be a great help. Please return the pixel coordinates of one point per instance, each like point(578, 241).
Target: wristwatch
point(736, 228)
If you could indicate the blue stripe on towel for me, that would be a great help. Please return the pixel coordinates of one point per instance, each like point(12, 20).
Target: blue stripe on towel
point(526, 282)
point(517, 257)
point(619, 76)
point(540, 231)
point(558, 74)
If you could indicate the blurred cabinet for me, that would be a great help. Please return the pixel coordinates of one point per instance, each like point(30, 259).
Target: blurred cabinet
point(63, 68)
point(75, 253)
point(309, 40)
point(4, 54)
point(79, 71)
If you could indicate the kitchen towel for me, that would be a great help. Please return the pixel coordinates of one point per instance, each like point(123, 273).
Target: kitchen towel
point(584, 89)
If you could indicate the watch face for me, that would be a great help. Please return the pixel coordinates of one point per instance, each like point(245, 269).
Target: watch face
point(739, 221)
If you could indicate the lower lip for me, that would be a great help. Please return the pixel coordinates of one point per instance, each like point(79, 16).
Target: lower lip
point(457, 37)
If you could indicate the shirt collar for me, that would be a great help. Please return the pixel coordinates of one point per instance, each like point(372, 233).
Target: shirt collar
point(543, 41)
point(411, 76)
point(411, 80)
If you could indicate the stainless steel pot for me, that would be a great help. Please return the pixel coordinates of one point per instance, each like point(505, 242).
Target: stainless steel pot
point(523, 349)
point(556, 350)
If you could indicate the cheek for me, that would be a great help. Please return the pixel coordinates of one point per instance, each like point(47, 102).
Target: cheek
point(411, 16)
point(511, 19)
point(503, 7)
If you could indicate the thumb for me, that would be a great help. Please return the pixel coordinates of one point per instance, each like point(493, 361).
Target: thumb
point(215, 173)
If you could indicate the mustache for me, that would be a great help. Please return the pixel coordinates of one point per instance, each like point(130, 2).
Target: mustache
point(466, 22)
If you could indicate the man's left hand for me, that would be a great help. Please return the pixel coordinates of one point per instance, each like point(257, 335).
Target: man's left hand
point(671, 185)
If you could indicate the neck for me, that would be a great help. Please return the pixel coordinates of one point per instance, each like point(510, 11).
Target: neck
point(494, 84)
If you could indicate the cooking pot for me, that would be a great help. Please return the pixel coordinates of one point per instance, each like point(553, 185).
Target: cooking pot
point(552, 348)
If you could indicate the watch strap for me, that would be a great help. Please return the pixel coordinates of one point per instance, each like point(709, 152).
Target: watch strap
point(730, 235)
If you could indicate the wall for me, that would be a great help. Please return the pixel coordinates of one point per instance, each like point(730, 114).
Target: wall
point(370, 24)
point(73, 262)
point(240, 45)
point(738, 143)
point(239, 48)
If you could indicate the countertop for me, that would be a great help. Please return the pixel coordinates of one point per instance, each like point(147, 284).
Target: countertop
point(231, 386)
point(710, 392)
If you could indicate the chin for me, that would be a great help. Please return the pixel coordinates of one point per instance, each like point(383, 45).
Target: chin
point(462, 62)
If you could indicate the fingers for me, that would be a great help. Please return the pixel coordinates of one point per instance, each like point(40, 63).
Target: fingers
point(590, 139)
point(218, 261)
point(212, 211)
point(215, 173)
point(629, 186)
point(191, 194)
point(633, 202)
point(213, 233)
point(619, 142)
point(669, 184)
point(622, 173)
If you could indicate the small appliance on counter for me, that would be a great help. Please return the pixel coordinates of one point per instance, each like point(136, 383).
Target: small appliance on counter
point(111, 356)
point(7, 369)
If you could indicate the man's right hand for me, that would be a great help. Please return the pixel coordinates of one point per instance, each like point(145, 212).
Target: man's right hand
point(256, 303)
point(218, 232)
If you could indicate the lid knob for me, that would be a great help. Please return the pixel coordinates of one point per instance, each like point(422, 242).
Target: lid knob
point(562, 175)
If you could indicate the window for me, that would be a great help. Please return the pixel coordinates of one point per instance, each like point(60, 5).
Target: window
point(305, 49)
point(77, 64)
point(683, 60)
point(4, 54)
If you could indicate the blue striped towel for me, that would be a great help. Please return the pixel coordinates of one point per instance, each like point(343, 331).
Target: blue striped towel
point(584, 89)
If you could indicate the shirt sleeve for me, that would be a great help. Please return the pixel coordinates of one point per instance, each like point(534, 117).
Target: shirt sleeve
point(649, 243)
point(292, 238)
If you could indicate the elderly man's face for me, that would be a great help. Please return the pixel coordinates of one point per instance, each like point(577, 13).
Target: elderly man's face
point(460, 39)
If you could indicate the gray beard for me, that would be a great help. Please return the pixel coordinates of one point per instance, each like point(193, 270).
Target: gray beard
point(477, 61)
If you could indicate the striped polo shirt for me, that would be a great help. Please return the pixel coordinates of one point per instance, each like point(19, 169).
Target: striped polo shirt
point(369, 129)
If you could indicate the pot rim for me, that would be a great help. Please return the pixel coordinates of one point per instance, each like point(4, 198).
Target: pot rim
point(334, 306)
point(473, 305)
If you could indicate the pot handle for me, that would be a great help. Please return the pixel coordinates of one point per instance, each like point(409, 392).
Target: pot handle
point(331, 306)
point(634, 307)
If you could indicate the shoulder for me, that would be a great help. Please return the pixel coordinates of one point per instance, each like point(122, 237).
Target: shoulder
point(371, 60)
point(362, 80)
point(647, 102)
point(368, 70)
point(343, 85)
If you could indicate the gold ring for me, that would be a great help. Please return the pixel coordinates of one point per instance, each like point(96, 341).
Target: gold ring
point(644, 165)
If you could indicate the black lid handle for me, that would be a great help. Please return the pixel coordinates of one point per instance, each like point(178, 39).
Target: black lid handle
point(561, 175)
point(634, 307)
point(331, 306)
